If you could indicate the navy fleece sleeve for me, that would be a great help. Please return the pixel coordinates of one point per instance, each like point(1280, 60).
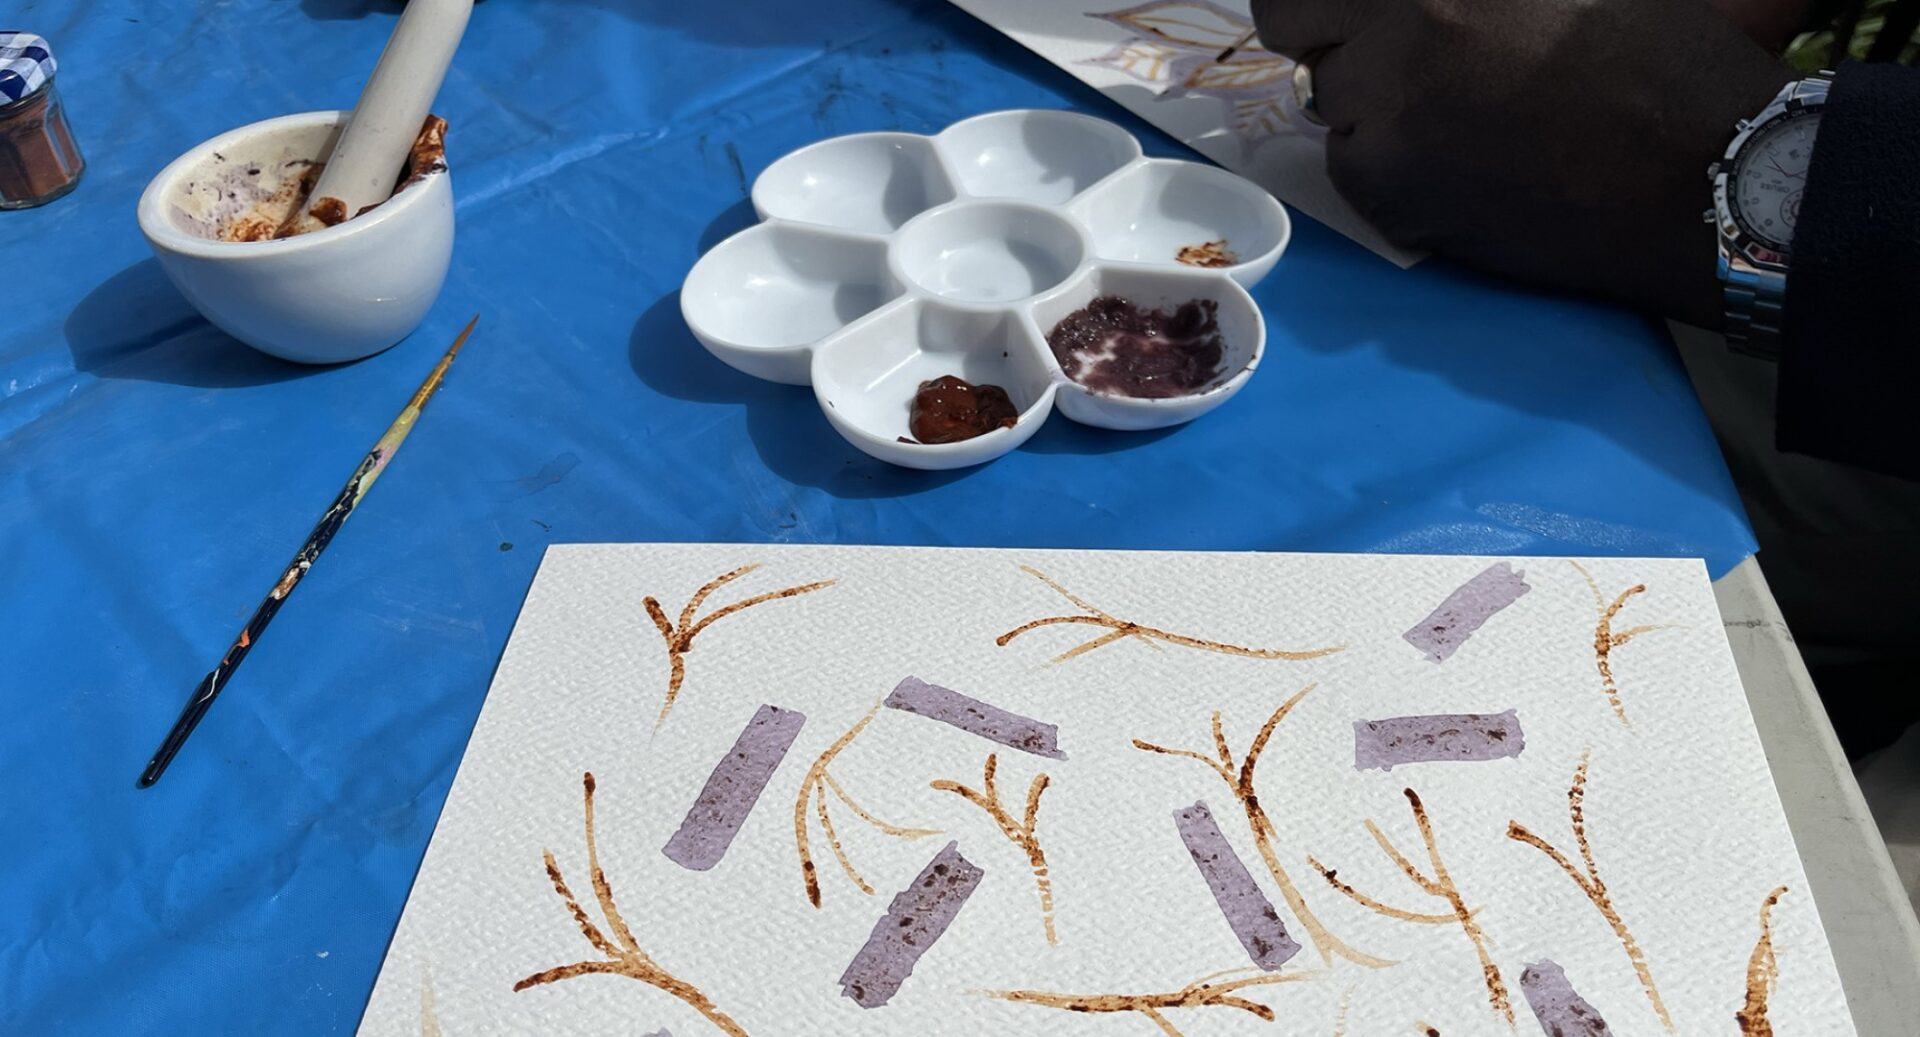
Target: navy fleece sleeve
point(1850, 371)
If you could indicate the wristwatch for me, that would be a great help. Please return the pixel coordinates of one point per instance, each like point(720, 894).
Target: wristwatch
point(1757, 187)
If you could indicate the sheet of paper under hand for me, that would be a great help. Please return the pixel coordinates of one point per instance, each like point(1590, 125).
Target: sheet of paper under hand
point(1160, 60)
point(1212, 794)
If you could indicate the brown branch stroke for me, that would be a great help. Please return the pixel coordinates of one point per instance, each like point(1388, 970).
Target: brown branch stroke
point(1590, 883)
point(628, 959)
point(1118, 629)
point(1439, 885)
point(1021, 833)
point(1239, 777)
point(1206, 992)
point(679, 636)
point(1763, 970)
point(815, 787)
point(1605, 639)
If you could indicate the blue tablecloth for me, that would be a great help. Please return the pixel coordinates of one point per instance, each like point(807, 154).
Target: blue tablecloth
point(154, 475)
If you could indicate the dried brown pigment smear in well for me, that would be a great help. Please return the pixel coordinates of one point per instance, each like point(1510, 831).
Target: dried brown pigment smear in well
point(949, 409)
point(1210, 254)
point(1113, 346)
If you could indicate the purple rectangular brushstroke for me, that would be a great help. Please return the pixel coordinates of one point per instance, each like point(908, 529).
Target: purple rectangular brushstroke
point(1471, 604)
point(733, 788)
point(916, 918)
point(1561, 1010)
point(969, 714)
point(1456, 737)
point(1248, 911)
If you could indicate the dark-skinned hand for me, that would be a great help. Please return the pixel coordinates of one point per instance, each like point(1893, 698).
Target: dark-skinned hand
point(1561, 143)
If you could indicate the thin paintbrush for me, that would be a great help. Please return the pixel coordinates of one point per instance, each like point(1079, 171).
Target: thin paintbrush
point(1245, 38)
point(350, 496)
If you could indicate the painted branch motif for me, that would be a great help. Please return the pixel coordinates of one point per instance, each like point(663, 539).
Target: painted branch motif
point(1455, 737)
point(1213, 991)
point(815, 789)
point(1439, 885)
point(1466, 610)
point(1605, 639)
point(1118, 629)
point(1560, 1009)
point(623, 954)
point(917, 917)
point(1590, 883)
point(1239, 778)
point(1196, 48)
point(733, 788)
point(969, 714)
point(1763, 971)
point(429, 1016)
point(1247, 910)
point(679, 636)
point(1020, 833)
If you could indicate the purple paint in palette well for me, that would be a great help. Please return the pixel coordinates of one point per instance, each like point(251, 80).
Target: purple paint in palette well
point(917, 916)
point(1248, 911)
point(1471, 604)
point(1440, 737)
point(973, 716)
point(1561, 1010)
point(733, 788)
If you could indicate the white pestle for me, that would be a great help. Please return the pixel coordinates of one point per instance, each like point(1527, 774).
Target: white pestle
point(378, 136)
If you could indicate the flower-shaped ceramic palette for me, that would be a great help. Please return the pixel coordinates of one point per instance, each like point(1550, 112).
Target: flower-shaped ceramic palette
point(889, 260)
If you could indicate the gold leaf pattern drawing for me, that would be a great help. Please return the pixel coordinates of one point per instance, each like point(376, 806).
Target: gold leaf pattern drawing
point(1020, 833)
point(815, 788)
point(1239, 778)
point(679, 636)
point(624, 957)
point(1120, 628)
point(1260, 117)
point(1763, 970)
point(1141, 59)
point(1590, 883)
point(1250, 72)
point(1212, 991)
point(1187, 23)
point(1439, 885)
point(1605, 640)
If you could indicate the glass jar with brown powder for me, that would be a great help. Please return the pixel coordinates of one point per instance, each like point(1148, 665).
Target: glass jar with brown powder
point(38, 158)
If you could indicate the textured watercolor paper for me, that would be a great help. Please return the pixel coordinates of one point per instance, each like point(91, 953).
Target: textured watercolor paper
point(1160, 59)
point(937, 791)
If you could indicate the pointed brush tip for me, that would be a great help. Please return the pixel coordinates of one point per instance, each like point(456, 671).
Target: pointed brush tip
point(461, 339)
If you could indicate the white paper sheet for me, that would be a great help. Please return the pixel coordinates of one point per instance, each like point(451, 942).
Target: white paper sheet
point(1158, 59)
point(1681, 819)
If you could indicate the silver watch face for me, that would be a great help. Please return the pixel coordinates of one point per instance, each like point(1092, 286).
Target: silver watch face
point(1770, 177)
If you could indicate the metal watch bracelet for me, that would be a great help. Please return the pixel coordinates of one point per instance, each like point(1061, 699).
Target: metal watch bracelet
point(1753, 296)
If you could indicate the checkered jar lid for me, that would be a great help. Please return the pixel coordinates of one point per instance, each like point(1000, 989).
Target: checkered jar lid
point(26, 62)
